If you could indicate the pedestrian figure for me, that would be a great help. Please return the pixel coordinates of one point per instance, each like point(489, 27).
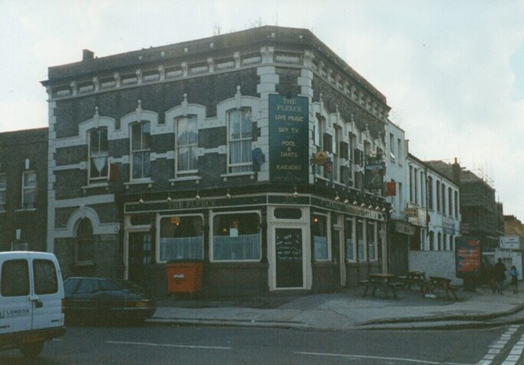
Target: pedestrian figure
point(514, 273)
point(500, 275)
point(492, 278)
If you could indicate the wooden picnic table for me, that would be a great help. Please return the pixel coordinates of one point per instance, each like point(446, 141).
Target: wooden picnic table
point(440, 283)
point(384, 282)
point(414, 277)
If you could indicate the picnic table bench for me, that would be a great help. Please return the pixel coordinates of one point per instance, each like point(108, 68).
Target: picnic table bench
point(384, 282)
point(440, 283)
point(413, 277)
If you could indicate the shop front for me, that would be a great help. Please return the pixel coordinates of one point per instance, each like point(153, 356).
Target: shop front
point(255, 243)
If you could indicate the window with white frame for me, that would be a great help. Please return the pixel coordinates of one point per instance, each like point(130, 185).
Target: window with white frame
point(236, 237)
point(399, 151)
point(140, 150)
point(371, 236)
point(350, 243)
point(351, 145)
point(181, 237)
point(84, 242)
point(320, 130)
point(319, 229)
point(392, 147)
point(98, 153)
point(430, 192)
point(3, 189)
point(186, 144)
point(28, 189)
point(240, 136)
point(337, 154)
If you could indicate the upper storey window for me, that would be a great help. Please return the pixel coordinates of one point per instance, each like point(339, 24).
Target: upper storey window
point(186, 145)
point(140, 150)
point(240, 135)
point(98, 167)
point(28, 189)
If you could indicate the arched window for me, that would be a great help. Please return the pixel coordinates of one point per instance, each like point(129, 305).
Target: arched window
point(84, 245)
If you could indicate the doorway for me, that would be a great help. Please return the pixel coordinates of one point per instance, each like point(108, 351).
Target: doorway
point(140, 254)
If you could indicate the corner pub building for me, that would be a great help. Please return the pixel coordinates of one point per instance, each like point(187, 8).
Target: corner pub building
point(247, 151)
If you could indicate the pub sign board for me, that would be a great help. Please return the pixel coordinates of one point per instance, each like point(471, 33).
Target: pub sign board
point(288, 139)
point(468, 256)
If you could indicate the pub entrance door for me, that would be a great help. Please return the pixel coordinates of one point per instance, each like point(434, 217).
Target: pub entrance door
point(139, 255)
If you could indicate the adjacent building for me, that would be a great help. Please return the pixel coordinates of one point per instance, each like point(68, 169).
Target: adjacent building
point(260, 153)
point(434, 210)
point(23, 190)
point(482, 216)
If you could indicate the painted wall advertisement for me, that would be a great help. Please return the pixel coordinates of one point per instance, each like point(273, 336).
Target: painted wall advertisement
point(288, 139)
point(468, 255)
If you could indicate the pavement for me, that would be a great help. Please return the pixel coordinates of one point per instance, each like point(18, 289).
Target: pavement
point(347, 309)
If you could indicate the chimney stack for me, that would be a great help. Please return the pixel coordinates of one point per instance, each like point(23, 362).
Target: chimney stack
point(88, 55)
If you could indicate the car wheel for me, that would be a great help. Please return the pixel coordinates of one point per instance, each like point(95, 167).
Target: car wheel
point(32, 349)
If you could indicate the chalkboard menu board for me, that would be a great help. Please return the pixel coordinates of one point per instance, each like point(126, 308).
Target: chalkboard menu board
point(288, 242)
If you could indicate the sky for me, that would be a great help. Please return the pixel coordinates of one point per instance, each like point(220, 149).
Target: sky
point(452, 71)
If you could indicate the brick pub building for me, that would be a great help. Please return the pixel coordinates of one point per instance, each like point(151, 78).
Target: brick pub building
point(259, 152)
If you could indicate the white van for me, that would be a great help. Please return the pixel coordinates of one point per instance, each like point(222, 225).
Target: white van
point(31, 300)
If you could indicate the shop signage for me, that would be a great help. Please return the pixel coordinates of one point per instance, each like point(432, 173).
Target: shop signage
point(374, 176)
point(448, 225)
point(467, 255)
point(404, 228)
point(288, 139)
point(510, 242)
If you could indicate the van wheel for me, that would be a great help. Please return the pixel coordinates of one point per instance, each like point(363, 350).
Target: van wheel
point(31, 349)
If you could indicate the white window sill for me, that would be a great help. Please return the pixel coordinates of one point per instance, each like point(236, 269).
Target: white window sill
point(148, 182)
point(26, 210)
point(96, 185)
point(237, 174)
point(185, 178)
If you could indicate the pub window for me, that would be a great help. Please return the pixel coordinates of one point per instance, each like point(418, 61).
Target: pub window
point(320, 130)
point(28, 189)
point(337, 154)
point(371, 235)
point(3, 188)
point(361, 248)
point(240, 136)
point(84, 243)
point(186, 145)
point(348, 236)
point(236, 237)
point(98, 168)
point(181, 237)
point(320, 237)
point(140, 150)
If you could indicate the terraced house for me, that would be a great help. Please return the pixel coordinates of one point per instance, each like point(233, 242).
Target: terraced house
point(259, 152)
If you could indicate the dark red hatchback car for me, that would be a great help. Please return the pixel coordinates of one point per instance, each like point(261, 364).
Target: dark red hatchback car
point(88, 298)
